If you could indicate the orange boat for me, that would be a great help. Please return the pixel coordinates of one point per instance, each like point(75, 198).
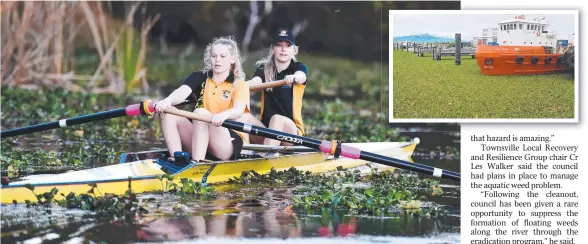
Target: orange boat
point(517, 60)
point(523, 47)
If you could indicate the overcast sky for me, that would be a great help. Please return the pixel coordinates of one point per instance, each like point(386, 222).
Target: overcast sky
point(470, 25)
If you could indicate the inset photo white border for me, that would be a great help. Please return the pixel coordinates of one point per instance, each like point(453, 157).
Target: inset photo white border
point(458, 29)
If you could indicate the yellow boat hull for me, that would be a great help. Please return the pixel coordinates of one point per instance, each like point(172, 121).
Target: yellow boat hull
point(142, 174)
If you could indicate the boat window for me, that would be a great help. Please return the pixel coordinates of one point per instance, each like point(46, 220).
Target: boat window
point(521, 26)
point(515, 26)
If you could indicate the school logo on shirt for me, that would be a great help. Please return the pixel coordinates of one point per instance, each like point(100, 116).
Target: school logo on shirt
point(226, 94)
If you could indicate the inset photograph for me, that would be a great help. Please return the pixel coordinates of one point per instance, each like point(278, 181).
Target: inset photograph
point(483, 66)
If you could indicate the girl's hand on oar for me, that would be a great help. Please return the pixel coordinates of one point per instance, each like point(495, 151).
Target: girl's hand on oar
point(290, 79)
point(162, 105)
point(219, 118)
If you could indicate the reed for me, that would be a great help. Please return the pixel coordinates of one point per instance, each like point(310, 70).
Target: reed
point(126, 70)
point(39, 42)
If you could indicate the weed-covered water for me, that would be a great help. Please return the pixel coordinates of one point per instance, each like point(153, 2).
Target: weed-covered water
point(257, 213)
point(243, 214)
point(240, 212)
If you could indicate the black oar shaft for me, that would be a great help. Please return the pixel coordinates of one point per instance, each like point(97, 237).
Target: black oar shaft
point(346, 151)
point(420, 168)
point(324, 146)
point(65, 122)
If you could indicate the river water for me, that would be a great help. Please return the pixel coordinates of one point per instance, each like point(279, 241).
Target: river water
point(256, 214)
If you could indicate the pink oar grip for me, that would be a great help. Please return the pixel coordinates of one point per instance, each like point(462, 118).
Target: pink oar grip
point(133, 110)
point(346, 151)
point(326, 146)
point(350, 152)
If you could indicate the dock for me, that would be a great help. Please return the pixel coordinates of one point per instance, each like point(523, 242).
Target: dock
point(438, 50)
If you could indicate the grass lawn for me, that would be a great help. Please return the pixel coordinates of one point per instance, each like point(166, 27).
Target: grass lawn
point(426, 88)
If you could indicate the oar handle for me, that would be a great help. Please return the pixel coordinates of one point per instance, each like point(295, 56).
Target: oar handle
point(189, 115)
point(267, 85)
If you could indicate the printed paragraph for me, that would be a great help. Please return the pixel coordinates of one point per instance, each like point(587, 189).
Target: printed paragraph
point(525, 186)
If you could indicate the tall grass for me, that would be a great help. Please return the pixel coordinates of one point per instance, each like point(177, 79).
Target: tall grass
point(129, 49)
point(36, 40)
point(39, 41)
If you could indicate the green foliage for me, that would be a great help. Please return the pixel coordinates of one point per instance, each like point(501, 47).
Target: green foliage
point(107, 204)
point(374, 193)
point(187, 188)
point(24, 107)
point(77, 145)
point(337, 120)
point(114, 205)
point(291, 176)
point(128, 61)
point(426, 88)
point(28, 161)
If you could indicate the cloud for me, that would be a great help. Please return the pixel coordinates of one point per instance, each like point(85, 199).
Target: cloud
point(469, 26)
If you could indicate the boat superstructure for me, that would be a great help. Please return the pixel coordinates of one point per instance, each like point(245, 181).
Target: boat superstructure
point(525, 47)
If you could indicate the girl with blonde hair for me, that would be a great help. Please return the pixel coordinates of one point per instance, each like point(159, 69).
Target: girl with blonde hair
point(221, 92)
point(281, 107)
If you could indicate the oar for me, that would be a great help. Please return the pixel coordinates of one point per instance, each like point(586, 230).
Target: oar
point(331, 147)
point(130, 110)
point(266, 148)
point(267, 85)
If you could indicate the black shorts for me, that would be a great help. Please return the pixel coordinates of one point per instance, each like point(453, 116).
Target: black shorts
point(237, 146)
